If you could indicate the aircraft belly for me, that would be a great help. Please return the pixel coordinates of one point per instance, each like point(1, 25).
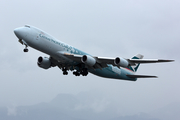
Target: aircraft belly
point(112, 72)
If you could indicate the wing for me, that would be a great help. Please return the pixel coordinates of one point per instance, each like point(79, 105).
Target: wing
point(102, 62)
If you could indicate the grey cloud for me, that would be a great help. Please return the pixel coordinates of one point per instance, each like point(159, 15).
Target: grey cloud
point(64, 106)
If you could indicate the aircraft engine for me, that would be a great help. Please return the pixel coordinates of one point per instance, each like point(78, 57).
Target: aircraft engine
point(86, 59)
point(44, 62)
point(121, 62)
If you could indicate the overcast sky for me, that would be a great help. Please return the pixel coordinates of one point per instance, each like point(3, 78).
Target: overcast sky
point(108, 28)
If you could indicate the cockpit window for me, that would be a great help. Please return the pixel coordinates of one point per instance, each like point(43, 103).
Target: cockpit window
point(27, 26)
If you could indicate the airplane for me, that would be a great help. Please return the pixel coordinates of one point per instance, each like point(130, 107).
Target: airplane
point(69, 58)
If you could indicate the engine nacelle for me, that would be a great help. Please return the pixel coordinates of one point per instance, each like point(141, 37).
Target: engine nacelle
point(86, 59)
point(44, 62)
point(121, 62)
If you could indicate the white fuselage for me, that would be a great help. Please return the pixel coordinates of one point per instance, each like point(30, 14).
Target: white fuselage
point(45, 43)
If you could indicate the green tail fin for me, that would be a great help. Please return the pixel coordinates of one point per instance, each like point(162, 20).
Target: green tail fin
point(135, 67)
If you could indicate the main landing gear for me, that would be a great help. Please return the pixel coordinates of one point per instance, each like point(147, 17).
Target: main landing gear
point(76, 73)
point(65, 71)
point(83, 72)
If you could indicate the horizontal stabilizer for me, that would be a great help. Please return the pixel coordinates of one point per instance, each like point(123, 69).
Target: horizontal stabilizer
point(148, 60)
point(141, 76)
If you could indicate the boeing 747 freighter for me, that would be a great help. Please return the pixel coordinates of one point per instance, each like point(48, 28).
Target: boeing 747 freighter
point(69, 58)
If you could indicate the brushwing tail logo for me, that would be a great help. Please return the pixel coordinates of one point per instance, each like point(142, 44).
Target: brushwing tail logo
point(135, 67)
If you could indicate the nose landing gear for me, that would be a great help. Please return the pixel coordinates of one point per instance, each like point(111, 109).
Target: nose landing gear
point(25, 49)
point(24, 43)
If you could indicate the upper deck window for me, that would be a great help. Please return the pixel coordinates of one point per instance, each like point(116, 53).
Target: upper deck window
point(27, 26)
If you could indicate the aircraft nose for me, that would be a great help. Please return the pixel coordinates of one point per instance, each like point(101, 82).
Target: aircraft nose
point(19, 32)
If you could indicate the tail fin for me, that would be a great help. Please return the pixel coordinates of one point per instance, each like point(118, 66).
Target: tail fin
point(135, 67)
